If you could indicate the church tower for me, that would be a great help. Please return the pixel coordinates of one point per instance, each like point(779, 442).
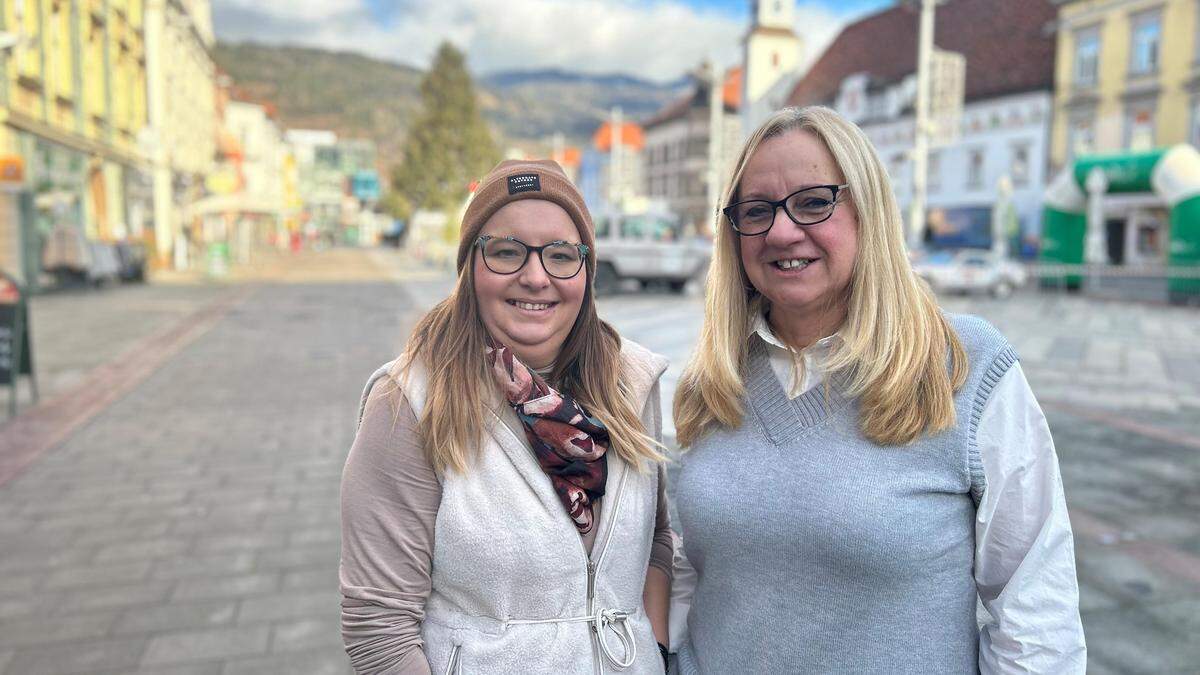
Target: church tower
point(772, 48)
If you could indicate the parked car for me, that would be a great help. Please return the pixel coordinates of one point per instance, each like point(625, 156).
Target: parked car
point(970, 271)
point(649, 248)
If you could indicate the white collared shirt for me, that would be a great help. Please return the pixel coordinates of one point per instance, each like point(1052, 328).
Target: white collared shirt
point(1024, 549)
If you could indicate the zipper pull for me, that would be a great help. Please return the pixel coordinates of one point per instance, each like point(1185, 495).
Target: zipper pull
point(591, 581)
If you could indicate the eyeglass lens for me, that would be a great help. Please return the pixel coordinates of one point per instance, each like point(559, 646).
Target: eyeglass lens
point(805, 207)
point(506, 256)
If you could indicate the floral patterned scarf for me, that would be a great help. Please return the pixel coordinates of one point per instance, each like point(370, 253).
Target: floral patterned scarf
point(569, 444)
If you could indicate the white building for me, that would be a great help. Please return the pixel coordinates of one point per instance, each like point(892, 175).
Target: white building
point(679, 146)
point(868, 74)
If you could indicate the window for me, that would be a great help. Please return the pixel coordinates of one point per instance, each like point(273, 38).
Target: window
point(896, 166)
point(1019, 168)
point(1147, 35)
point(1139, 126)
point(933, 175)
point(975, 168)
point(1087, 56)
point(1081, 139)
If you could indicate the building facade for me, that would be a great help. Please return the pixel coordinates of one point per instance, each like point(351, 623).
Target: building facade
point(182, 134)
point(72, 106)
point(1000, 148)
point(686, 164)
point(1127, 76)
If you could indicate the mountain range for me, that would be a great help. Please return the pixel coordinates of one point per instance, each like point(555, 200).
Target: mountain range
point(362, 97)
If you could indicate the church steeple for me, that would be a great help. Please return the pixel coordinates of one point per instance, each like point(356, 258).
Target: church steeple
point(772, 48)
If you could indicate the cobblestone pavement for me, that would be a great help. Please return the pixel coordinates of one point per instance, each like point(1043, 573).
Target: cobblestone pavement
point(192, 525)
point(189, 524)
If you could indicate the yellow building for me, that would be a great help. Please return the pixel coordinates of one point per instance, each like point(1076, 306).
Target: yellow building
point(181, 91)
point(1127, 76)
point(72, 104)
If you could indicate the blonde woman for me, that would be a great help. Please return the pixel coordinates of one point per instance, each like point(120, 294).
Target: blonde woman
point(860, 466)
point(503, 504)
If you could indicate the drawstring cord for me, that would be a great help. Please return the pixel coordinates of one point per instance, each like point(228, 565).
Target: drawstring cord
point(601, 619)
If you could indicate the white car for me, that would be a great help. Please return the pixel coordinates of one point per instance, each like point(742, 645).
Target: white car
point(970, 271)
point(650, 248)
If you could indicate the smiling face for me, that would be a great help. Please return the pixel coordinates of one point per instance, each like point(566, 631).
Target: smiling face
point(803, 271)
point(529, 310)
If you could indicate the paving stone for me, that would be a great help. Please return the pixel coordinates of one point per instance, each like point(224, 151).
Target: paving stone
point(307, 556)
point(78, 657)
point(316, 536)
point(213, 668)
point(111, 597)
point(215, 564)
point(226, 586)
point(1131, 640)
point(140, 550)
point(311, 579)
point(313, 662)
point(205, 645)
point(41, 628)
point(306, 634)
point(176, 616)
point(92, 575)
point(291, 605)
point(45, 559)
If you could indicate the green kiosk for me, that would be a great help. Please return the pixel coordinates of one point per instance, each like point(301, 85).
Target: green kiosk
point(1173, 174)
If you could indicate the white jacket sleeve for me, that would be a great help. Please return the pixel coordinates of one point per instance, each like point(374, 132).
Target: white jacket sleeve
point(1025, 553)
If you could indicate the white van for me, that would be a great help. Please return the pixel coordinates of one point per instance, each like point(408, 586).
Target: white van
point(649, 247)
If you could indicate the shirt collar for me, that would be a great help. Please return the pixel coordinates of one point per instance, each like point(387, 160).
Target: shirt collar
point(762, 328)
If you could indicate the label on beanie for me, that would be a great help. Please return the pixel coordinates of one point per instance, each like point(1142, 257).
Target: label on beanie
point(524, 182)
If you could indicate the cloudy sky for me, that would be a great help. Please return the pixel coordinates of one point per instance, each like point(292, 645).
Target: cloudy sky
point(655, 39)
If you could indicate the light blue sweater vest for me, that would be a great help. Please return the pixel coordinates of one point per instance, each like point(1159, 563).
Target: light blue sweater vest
point(818, 551)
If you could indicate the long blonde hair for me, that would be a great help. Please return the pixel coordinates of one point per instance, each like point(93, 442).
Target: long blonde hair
point(449, 343)
point(895, 340)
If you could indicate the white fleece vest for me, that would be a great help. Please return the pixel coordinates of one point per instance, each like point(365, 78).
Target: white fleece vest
point(514, 590)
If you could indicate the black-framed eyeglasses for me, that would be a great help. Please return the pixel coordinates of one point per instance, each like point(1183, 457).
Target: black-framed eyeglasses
point(809, 206)
point(507, 255)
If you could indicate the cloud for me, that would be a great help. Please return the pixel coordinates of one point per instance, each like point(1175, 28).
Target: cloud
point(659, 40)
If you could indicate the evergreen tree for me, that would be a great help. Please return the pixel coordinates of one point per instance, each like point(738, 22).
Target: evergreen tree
point(448, 144)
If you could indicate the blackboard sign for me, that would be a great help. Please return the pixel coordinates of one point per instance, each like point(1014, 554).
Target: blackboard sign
point(15, 346)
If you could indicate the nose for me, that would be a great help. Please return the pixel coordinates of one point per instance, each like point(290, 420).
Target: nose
point(784, 231)
point(533, 274)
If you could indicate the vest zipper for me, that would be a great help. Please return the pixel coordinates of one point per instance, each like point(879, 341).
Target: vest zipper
point(594, 564)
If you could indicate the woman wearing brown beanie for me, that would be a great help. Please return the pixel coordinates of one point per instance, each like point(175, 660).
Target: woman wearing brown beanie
point(503, 505)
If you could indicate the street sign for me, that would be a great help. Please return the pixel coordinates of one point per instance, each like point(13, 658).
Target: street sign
point(947, 88)
point(12, 170)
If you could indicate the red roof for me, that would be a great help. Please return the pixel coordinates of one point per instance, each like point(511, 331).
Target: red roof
point(631, 136)
point(1009, 47)
point(570, 156)
point(731, 94)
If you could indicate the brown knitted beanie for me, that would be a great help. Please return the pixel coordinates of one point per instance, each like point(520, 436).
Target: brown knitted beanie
point(513, 179)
